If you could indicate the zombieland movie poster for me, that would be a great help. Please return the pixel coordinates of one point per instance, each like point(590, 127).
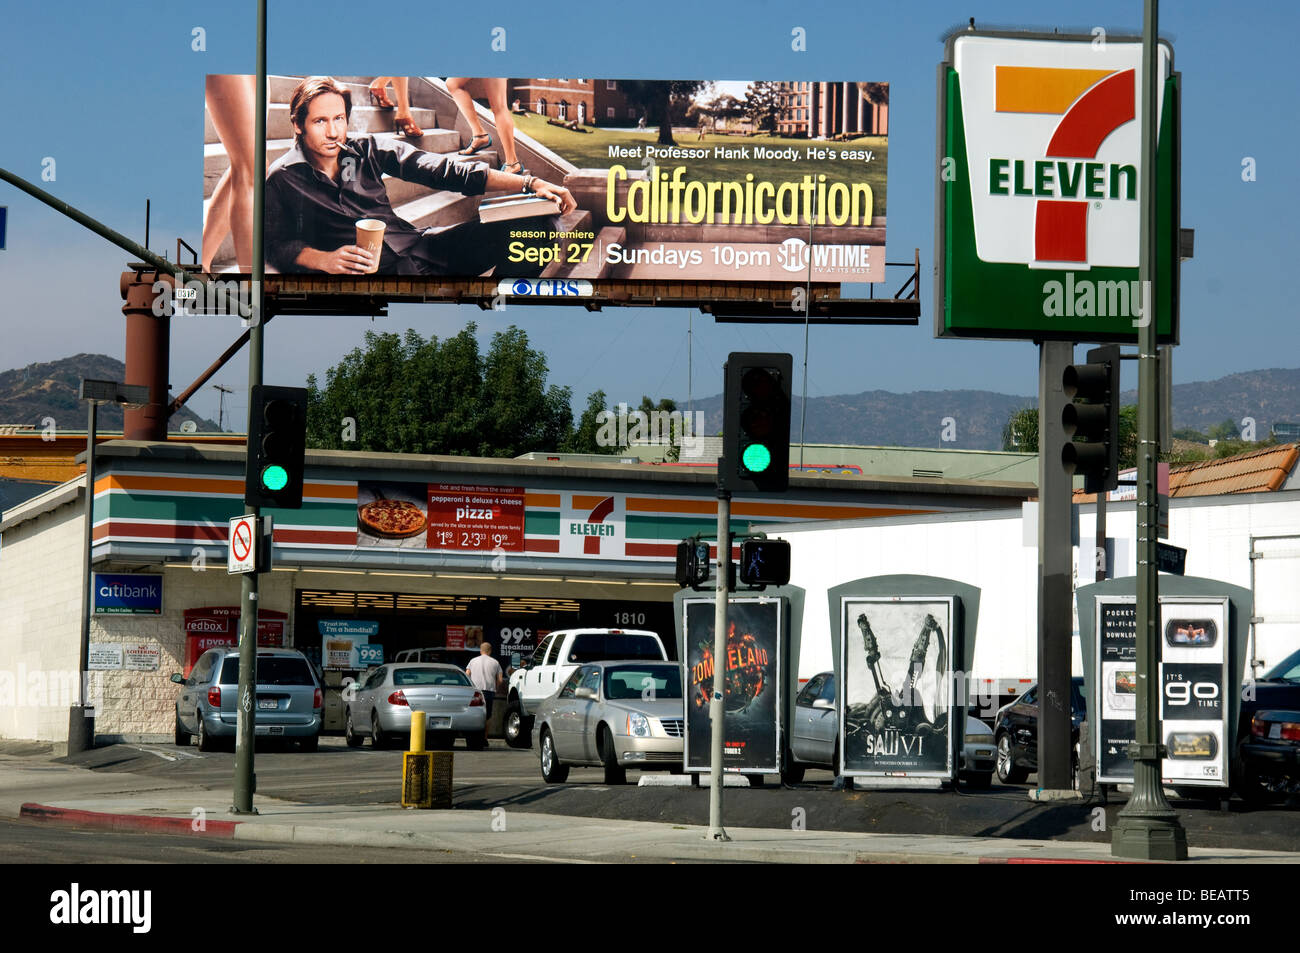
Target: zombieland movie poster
point(897, 687)
point(752, 690)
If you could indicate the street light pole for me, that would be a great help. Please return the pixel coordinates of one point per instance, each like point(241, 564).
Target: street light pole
point(1148, 827)
point(245, 780)
point(717, 709)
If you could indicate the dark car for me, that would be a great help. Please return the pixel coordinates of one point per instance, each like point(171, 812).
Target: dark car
point(1268, 745)
point(1015, 730)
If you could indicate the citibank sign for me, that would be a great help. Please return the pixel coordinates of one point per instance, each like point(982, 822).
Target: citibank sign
point(128, 594)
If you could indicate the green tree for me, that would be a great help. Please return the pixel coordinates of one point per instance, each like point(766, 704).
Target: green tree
point(1020, 433)
point(411, 395)
point(762, 105)
point(662, 100)
point(584, 437)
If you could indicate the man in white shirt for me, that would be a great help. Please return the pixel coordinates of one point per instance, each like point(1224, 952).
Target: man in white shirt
point(485, 675)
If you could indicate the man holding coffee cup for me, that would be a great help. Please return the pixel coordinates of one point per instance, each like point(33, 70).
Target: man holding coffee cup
point(327, 209)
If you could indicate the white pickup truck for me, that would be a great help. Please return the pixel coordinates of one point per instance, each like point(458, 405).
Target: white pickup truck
point(556, 658)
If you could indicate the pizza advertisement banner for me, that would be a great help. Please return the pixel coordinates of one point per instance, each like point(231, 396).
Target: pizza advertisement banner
point(476, 518)
point(666, 180)
point(1040, 160)
point(392, 515)
point(752, 689)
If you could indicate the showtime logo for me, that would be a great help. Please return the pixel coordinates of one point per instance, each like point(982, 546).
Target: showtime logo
point(1054, 149)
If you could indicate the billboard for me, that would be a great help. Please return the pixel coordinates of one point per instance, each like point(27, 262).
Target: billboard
point(1194, 684)
point(1038, 189)
point(566, 180)
point(443, 516)
point(896, 694)
point(752, 687)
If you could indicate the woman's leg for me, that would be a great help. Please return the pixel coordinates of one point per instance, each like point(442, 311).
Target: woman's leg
point(217, 224)
point(231, 102)
point(496, 94)
point(465, 103)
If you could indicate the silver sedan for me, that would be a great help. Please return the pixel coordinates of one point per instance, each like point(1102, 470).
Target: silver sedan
point(380, 705)
point(616, 715)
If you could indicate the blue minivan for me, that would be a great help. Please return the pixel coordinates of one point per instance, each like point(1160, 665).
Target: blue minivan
point(289, 700)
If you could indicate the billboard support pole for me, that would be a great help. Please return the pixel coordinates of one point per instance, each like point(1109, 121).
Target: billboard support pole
point(1148, 828)
point(717, 711)
point(1055, 588)
point(245, 779)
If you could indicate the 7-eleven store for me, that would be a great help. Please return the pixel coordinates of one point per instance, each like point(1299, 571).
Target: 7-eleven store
point(511, 549)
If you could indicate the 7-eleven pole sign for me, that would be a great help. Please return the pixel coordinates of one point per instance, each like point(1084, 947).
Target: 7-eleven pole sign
point(1038, 189)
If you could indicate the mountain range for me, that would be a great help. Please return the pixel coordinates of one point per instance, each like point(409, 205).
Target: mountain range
point(30, 394)
point(954, 419)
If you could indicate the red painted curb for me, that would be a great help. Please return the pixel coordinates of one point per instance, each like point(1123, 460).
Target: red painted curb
point(126, 822)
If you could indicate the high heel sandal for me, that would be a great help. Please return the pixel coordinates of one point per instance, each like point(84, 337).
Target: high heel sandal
point(517, 170)
point(379, 97)
point(406, 126)
point(473, 150)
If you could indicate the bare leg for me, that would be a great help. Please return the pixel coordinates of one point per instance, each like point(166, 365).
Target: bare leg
point(465, 103)
point(217, 224)
point(496, 93)
point(231, 102)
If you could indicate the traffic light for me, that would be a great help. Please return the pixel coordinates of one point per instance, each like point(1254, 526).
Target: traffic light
point(277, 440)
point(692, 563)
point(1093, 417)
point(764, 562)
point(756, 423)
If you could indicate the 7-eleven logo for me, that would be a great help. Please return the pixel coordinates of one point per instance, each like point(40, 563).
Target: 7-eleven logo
point(591, 521)
point(1092, 104)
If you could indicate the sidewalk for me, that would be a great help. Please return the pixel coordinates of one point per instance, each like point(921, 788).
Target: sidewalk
point(32, 787)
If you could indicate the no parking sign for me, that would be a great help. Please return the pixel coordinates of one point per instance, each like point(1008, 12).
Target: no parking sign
point(242, 552)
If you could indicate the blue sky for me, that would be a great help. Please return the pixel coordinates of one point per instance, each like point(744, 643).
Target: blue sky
point(115, 96)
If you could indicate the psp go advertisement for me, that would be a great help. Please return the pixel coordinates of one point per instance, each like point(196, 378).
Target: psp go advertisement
point(1192, 646)
point(1117, 691)
point(752, 684)
point(896, 658)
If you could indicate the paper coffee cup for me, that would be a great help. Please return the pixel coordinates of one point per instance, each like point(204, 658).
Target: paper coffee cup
point(370, 236)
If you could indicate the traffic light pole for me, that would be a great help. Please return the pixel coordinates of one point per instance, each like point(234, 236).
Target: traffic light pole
point(1148, 828)
point(245, 779)
point(717, 711)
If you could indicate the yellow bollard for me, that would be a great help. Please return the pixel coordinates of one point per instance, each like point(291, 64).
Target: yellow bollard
point(417, 732)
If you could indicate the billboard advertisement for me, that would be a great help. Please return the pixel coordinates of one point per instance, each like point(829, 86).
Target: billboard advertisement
point(752, 687)
point(1038, 193)
point(896, 690)
point(1117, 688)
point(445, 516)
point(567, 180)
point(1194, 682)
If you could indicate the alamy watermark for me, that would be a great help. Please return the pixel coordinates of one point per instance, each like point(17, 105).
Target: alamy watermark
point(57, 688)
point(656, 427)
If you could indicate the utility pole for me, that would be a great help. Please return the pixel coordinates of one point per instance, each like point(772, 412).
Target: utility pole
point(221, 404)
point(245, 780)
point(717, 708)
point(1148, 828)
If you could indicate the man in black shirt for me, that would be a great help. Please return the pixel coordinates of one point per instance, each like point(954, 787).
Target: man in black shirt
point(317, 191)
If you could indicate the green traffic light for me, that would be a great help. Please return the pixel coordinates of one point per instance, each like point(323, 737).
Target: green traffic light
point(275, 477)
point(756, 458)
